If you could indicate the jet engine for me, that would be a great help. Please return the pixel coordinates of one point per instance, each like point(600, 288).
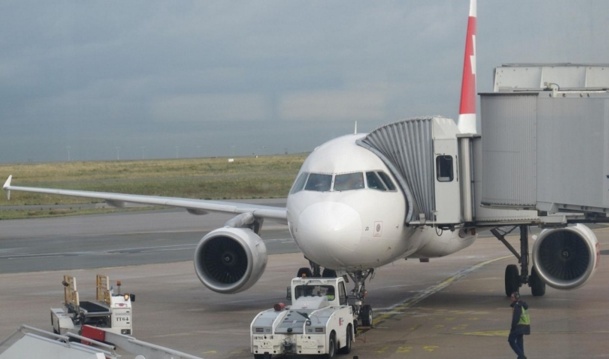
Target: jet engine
point(230, 260)
point(566, 258)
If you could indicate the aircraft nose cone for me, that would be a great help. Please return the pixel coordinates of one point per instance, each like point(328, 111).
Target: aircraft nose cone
point(328, 230)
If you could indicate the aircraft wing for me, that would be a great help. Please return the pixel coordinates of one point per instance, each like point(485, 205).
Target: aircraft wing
point(194, 206)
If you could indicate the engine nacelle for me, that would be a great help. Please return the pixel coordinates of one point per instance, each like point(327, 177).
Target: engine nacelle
point(230, 260)
point(566, 258)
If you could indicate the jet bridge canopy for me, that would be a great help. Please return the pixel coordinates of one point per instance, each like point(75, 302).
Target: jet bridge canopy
point(422, 155)
point(536, 77)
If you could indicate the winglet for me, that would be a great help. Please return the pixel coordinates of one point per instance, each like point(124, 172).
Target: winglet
point(6, 187)
point(467, 107)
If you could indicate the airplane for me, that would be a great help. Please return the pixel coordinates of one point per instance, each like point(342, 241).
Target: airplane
point(350, 210)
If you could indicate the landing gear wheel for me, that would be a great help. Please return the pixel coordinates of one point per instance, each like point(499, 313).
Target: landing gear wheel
point(306, 271)
point(512, 279)
point(331, 346)
point(347, 348)
point(538, 286)
point(365, 315)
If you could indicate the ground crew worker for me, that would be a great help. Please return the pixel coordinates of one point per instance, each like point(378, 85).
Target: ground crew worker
point(521, 325)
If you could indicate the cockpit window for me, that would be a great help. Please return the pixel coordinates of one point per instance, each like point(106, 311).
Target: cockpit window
point(387, 181)
point(379, 181)
point(374, 182)
point(349, 181)
point(319, 182)
point(299, 183)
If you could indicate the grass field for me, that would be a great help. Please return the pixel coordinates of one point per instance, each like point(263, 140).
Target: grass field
point(206, 178)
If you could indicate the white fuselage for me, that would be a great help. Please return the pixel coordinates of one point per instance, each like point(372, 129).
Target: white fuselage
point(357, 226)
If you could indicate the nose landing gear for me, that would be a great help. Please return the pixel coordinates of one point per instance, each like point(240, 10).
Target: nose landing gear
point(359, 292)
point(362, 311)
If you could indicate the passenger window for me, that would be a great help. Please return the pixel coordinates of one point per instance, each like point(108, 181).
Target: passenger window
point(349, 181)
point(299, 183)
point(318, 182)
point(444, 168)
point(374, 182)
point(387, 180)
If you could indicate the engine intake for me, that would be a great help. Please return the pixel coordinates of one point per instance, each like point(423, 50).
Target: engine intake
point(566, 258)
point(230, 260)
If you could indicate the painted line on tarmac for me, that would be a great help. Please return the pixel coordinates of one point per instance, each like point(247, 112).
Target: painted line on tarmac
point(400, 308)
point(490, 333)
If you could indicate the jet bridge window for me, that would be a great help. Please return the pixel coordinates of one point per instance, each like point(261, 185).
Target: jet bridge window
point(349, 181)
point(444, 168)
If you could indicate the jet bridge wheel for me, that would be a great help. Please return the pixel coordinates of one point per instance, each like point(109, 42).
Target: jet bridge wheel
point(512, 279)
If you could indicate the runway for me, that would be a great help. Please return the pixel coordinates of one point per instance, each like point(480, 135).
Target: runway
point(452, 307)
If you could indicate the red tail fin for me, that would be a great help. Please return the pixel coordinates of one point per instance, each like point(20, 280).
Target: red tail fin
point(467, 108)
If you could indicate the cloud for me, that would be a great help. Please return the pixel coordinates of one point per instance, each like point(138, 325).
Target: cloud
point(210, 107)
point(333, 105)
point(135, 70)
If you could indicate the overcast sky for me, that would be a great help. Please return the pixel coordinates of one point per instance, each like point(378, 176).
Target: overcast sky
point(90, 80)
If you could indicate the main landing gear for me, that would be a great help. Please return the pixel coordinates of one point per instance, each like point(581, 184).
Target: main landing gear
point(362, 311)
point(515, 278)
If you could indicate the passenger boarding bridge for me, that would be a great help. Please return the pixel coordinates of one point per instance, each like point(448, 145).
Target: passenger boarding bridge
point(542, 156)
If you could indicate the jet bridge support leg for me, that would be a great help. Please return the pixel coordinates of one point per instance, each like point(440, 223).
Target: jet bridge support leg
point(524, 253)
point(514, 278)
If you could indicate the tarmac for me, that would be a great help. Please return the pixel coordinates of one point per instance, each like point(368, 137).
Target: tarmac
point(470, 319)
point(452, 307)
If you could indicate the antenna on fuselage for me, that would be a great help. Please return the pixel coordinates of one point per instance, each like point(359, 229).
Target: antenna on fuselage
point(355, 128)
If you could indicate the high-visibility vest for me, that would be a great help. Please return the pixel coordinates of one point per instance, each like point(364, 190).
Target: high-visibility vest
point(524, 317)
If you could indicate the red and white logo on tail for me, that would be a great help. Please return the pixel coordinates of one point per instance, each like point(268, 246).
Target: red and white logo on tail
point(467, 107)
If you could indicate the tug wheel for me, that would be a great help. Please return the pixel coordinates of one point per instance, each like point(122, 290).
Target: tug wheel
point(349, 342)
point(331, 346)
